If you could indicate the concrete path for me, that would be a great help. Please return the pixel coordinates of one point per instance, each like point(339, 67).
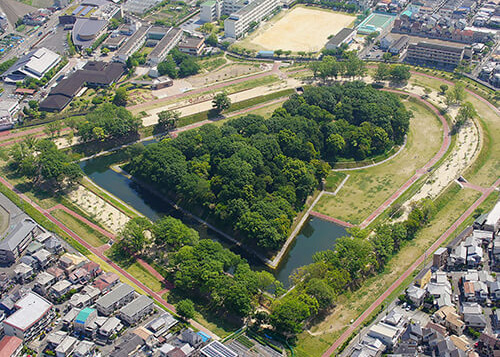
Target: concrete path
point(409, 271)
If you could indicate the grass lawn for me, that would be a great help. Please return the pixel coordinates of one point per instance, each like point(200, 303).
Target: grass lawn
point(369, 188)
point(486, 168)
point(333, 180)
point(351, 304)
point(212, 63)
point(90, 235)
point(145, 277)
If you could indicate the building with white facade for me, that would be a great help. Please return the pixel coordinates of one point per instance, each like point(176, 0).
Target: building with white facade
point(35, 64)
point(240, 21)
point(210, 10)
point(32, 314)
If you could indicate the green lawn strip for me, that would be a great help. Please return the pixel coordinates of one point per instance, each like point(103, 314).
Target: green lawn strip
point(351, 163)
point(229, 89)
point(90, 235)
point(334, 179)
point(208, 114)
point(144, 276)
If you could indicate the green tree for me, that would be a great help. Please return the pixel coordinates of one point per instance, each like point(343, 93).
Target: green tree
point(212, 40)
point(168, 67)
point(171, 232)
point(167, 119)
point(400, 73)
point(289, 313)
point(382, 72)
point(465, 113)
point(185, 309)
point(221, 102)
point(443, 88)
point(133, 237)
point(121, 97)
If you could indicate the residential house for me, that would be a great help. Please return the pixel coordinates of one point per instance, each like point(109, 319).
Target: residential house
point(111, 327)
point(43, 258)
point(472, 314)
point(59, 289)
point(23, 272)
point(448, 317)
point(11, 346)
point(43, 282)
point(66, 347)
point(106, 282)
point(162, 324)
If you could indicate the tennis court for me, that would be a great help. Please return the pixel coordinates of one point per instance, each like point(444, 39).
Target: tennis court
point(375, 22)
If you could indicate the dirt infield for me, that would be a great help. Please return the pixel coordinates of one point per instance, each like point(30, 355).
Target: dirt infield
point(301, 29)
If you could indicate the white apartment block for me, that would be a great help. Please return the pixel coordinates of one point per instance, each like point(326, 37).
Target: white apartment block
point(240, 20)
point(210, 11)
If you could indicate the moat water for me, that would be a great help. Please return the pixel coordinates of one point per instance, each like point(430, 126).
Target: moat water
point(316, 235)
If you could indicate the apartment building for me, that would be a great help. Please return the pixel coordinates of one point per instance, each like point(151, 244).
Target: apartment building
point(136, 310)
point(242, 18)
point(210, 11)
point(116, 298)
point(32, 314)
point(17, 241)
point(434, 55)
point(164, 46)
point(133, 44)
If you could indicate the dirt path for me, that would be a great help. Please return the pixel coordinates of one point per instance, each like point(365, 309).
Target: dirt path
point(409, 271)
point(444, 147)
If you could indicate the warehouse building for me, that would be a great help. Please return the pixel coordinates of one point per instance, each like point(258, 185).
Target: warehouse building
point(33, 314)
point(345, 35)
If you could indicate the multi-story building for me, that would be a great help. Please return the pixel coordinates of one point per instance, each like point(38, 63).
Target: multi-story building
point(164, 46)
point(17, 241)
point(210, 10)
point(84, 319)
point(192, 45)
point(241, 20)
point(133, 44)
point(435, 55)
point(136, 310)
point(33, 314)
point(115, 299)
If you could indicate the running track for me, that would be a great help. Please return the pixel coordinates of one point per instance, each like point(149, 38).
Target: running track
point(409, 271)
point(100, 254)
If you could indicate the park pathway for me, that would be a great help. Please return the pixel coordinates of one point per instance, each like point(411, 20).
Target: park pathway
point(97, 252)
point(409, 271)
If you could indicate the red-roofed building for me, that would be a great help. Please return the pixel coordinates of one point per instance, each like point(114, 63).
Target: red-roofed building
point(106, 281)
point(93, 269)
point(10, 346)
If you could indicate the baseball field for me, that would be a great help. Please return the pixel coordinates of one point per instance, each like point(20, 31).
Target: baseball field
point(299, 29)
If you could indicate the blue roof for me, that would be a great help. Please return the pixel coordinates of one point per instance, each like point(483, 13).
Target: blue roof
point(407, 13)
point(83, 315)
point(266, 52)
point(204, 336)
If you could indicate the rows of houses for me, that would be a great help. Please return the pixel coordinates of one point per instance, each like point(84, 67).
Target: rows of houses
point(456, 294)
point(443, 23)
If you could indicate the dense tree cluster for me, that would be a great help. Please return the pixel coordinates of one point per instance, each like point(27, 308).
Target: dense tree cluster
point(209, 271)
point(396, 73)
point(351, 66)
point(43, 163)
point(333, 4)
point(178, 65)
point(356, 121)
point(344, 268)
point(254, 174)
point(107, 121)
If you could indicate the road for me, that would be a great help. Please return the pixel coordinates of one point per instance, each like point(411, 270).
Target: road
point(410, 270)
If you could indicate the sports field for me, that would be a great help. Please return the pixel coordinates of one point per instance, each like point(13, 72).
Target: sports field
point(375, 22)
point(299, 29)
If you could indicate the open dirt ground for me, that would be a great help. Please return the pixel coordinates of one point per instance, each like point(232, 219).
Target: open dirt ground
point(301, 29)
point(111, 218)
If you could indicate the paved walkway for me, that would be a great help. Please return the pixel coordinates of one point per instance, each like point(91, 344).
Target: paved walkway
point(409, 271)
point(274, 70)
point(471, 186)
point(100, 254)
point(331, 219)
